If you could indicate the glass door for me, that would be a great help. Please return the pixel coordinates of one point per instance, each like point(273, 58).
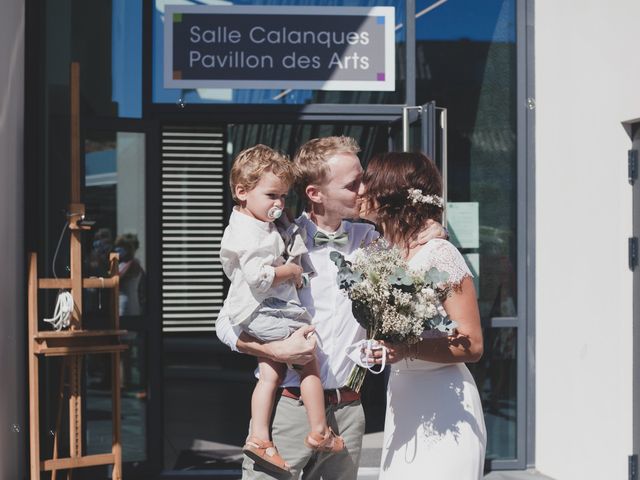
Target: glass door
point(421, 128)
point(114, 193)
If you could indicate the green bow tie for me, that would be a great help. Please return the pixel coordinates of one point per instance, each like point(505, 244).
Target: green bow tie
point(340, 240)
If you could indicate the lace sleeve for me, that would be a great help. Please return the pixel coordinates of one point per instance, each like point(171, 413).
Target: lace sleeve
point(446, 258)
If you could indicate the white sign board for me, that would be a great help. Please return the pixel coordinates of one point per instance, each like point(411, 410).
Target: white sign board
point(279, 47)
point(463, 224)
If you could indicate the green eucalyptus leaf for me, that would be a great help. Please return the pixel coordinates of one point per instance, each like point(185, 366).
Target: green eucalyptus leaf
point(441, 324)
point(337, 258)
point(400, 277)
point(435, 276)
point(347, 277)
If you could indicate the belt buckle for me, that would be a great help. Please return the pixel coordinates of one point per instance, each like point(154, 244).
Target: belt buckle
point(333, 396)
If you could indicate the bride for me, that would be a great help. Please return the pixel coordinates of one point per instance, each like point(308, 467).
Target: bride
point(434, 426)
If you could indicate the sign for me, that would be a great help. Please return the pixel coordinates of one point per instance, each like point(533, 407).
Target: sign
point(463, 224)
point(278, 47)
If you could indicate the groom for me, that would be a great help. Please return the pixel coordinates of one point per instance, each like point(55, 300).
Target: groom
point(330, 174)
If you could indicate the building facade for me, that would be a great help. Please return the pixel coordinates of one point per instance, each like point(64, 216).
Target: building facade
point(529, 106)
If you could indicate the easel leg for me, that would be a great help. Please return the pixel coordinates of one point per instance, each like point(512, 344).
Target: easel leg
point(115, 389)
point(75, 406)
point(63, 368)
point(34, 386)
point(35, 418)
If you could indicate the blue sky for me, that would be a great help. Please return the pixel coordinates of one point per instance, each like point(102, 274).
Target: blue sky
point(480, 20)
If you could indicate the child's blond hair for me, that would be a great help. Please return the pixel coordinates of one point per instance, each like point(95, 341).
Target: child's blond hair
point(311, 160)
point(253, 162)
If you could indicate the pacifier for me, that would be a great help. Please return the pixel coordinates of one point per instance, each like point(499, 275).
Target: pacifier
point(274, 213)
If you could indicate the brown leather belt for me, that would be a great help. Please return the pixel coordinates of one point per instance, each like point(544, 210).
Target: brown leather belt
point(331, 397)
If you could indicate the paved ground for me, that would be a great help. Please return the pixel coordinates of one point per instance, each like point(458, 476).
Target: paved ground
point(206, 406)
point(372, 449)
point(526, 475)
point(225, 458)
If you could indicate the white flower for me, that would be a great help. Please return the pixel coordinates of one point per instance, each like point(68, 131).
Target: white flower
point(391, 311)
point(416, 196)
point(432, 310)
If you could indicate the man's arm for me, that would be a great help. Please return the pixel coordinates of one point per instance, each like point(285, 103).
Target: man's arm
point(432, 230)
point(296, 349)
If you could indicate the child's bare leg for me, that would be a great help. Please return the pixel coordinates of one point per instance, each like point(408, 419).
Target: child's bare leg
point(313, 397)
point(262, 400)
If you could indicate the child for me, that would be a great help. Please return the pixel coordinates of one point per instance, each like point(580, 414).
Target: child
point(262, 298)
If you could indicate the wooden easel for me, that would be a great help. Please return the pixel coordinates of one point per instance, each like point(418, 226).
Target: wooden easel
point(75, 342)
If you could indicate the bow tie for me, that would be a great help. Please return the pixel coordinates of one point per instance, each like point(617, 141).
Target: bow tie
point(340, 240)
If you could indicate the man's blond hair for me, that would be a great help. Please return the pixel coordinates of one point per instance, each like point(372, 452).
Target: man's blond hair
point(311, 160)
point(253, 162)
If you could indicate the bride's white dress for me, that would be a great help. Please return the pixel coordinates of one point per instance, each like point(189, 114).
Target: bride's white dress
point(434, 426)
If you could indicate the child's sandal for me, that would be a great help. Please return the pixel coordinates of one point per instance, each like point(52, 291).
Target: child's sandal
point(329, 442)
point(266, 455)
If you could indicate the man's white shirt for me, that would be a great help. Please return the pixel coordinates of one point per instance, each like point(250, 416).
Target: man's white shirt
point(330, 308)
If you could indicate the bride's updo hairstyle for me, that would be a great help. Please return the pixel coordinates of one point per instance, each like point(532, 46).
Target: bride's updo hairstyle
point(387, 181)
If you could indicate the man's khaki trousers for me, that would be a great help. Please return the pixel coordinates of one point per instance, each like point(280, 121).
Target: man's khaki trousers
point(289, 429)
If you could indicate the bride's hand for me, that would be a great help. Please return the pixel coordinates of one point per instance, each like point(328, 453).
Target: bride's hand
point(432, 230)
point(394, 352)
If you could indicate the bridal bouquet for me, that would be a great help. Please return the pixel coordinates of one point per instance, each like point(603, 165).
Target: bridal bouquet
point(391, 301)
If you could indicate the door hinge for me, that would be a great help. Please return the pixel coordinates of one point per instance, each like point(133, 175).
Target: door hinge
point(633, 165)
point(633, 253)
point(633, 467)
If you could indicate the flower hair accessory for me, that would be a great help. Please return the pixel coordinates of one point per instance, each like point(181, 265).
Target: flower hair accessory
point(416, 196)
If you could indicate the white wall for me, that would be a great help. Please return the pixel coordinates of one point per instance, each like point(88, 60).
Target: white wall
point(587, 82)
point(13, 429)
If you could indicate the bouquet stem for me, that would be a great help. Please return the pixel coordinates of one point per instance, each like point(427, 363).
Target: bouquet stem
point(356, 378)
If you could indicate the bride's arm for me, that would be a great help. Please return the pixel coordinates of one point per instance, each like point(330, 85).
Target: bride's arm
point(466, 346)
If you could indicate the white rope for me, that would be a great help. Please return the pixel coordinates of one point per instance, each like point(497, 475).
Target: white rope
point(62, 313)
point(371, 346)
point(360, 353)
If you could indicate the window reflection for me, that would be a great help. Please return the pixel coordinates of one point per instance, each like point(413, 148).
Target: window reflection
point(132, 294)
point(108, 48)
point(466, 62)
point(496, 378)
point(114, 194)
